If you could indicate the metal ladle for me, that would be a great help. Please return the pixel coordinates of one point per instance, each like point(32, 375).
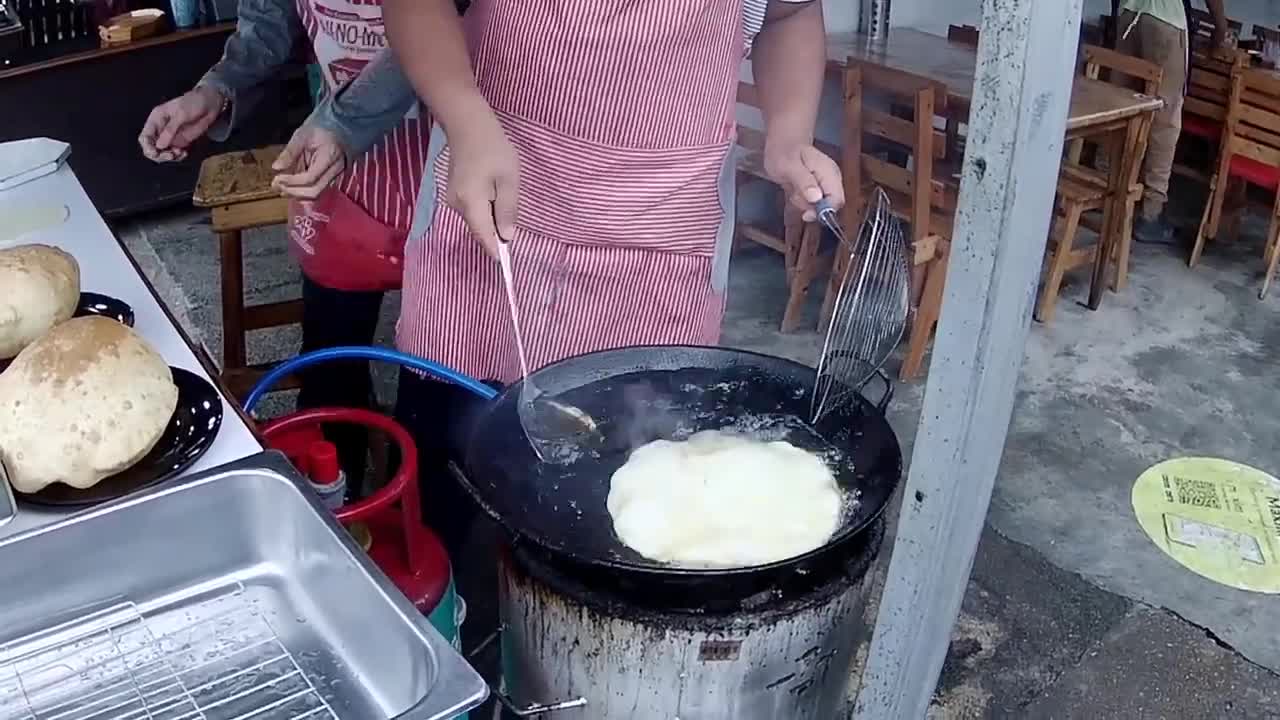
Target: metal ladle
point(553, 428)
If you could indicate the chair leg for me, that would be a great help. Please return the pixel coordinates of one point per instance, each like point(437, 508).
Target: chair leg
point(1272, 254)
point(952, 136)
point(801, 276)
point(1124, 246)
point(1059, 261)
point(926, 315)
point(1075, 149)
point(1206, 222)
point(839, 266)
point(1235, 201)
point(793, 228)
point(232, 272)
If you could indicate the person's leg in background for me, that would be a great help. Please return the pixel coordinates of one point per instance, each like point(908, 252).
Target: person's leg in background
point(333, 318)
point(1165, 45)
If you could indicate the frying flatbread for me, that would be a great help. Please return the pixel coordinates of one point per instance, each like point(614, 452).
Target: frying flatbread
point(41, 288)
point(87, 400)
point(719, 500)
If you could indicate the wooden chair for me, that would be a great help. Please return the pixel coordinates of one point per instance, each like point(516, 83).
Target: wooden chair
point(1250, 152)
point(901, 156)
point(236, 187)
point(1200, 28)
point(1204, 109)
point(1082, 189)
point(1264, 35)
point(800, 241)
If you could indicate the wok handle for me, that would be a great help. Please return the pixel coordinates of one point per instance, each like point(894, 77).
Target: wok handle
point(883, 403)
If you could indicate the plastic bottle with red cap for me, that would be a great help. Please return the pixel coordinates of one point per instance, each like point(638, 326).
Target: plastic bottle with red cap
point(325, 474)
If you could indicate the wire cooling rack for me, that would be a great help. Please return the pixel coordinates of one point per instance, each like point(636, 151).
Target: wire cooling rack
point(220, 661)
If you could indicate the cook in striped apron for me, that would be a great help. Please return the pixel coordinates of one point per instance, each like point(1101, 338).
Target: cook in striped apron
point(623, 116)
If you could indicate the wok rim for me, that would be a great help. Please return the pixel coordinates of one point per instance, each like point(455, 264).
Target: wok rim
point(834, 543)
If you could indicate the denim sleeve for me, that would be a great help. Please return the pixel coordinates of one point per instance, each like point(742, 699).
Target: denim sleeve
point(263, 42)
point(369, 107)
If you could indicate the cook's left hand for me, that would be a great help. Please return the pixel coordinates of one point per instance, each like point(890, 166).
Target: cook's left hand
point(311, 161)
point(806, 175)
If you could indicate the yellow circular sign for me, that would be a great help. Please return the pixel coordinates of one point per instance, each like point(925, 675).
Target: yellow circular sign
point(1217, 518)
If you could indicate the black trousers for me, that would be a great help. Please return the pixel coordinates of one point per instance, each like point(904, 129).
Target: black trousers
point(333, 318)
point(435, 414)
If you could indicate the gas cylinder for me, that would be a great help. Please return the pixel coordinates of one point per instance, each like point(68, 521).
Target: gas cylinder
point(388, 523)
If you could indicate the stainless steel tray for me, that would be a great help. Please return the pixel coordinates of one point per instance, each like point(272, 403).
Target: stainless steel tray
point(229, 594)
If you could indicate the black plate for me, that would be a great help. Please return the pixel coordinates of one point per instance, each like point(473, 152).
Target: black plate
point(191, 431)
point(105, 306)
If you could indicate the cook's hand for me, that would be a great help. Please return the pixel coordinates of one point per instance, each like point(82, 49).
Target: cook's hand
point(311, 161)
point(484, 182)
point(806, 175)
point(173, 126)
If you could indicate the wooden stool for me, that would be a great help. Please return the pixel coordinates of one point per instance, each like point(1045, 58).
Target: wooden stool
point(236, 187)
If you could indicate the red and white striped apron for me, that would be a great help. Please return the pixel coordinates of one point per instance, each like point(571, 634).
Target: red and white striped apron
point(352, 237)
point(622, 113)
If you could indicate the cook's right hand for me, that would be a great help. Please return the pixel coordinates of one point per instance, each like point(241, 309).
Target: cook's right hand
point(173, 126)
point(484, 182)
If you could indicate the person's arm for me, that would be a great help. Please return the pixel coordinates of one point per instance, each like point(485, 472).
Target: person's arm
point(789, 60)
point(266, 32)
point(369, 107)
point(343, 127)
point(261, 44)
point(427, 38)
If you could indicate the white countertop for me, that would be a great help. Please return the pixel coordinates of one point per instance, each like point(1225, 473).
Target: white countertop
point(106, 269)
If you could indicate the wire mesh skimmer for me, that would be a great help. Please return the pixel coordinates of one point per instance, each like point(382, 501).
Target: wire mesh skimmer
point(871, 307)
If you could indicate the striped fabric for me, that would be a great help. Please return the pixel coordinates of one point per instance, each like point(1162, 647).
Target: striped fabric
point(623, 115)
point(384, 181)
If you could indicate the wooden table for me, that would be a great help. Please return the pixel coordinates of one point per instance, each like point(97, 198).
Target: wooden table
point(1097, 109)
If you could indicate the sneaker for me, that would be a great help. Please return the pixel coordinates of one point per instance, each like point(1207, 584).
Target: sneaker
point(1153, 232)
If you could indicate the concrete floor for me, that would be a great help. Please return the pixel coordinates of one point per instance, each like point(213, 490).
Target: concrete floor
point(1071, 611)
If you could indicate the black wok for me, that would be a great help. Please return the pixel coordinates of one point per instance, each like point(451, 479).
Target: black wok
point(640, 394)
